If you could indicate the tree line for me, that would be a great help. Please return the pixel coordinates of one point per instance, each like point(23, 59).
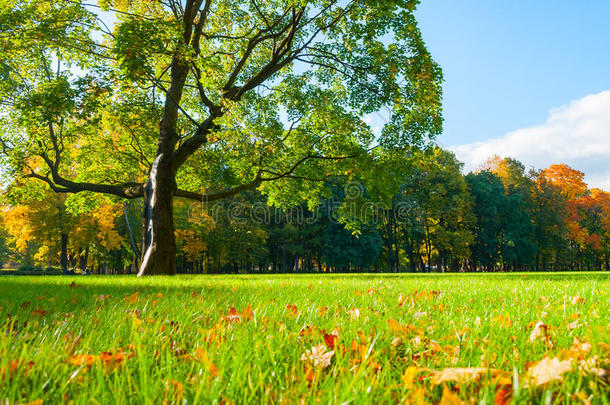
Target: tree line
point(501, 217)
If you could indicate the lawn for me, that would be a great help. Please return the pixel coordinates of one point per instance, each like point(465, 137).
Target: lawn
point(306, 339)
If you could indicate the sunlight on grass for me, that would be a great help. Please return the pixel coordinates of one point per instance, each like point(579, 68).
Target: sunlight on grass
point(306, 338)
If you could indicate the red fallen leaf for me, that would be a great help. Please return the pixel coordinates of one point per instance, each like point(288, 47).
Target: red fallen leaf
point(194, 294)
point(73, 285)
point(233, 316)
point(307, 331)
point(26, 304)
point(310, 374)
point(39, 312)
point(330, 340)
point(503, 395)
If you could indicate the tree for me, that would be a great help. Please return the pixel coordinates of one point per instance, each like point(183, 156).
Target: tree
point(437, 208)
point(518, 237)
point(203, 99)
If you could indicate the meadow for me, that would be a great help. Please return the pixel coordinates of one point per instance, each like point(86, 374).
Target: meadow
point(451, 339)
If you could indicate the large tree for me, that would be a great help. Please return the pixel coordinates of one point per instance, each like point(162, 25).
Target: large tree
point(202, 99)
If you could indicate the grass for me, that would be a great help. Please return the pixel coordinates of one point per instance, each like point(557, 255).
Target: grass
point(94, 340)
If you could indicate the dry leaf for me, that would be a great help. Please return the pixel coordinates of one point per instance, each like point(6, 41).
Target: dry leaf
point(318, 356)
point(547, 370)
point(463, 375)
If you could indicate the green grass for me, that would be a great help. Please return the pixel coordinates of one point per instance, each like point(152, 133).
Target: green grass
point(164, 329)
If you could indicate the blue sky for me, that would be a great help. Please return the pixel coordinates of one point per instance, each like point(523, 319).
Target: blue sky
point(519, 65)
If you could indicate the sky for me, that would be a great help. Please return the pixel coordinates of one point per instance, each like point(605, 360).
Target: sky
point(528, 79)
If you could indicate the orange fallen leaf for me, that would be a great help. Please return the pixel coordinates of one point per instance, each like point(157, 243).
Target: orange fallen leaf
point(293, 311)
point(502, 321)
point(202, 356)
point(322, 310)
point(132, 299)
point(450, 398)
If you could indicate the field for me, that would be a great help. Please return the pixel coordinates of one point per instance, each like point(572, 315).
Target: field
point(508, 338)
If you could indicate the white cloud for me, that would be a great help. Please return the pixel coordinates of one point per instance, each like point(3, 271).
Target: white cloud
point(577, 134)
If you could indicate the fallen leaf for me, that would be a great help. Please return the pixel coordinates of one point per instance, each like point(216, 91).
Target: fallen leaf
point(318, 356)
point(132, 299)
point(547, 370)
point(330, 340)
point(450, 398)
point(463, 375)
point(208, 366)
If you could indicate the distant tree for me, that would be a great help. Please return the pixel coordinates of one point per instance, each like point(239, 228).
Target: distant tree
point(490, 207)
point(550, 216)
point(434, 207)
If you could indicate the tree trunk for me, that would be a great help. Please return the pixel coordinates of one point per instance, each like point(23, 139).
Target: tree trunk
point(159, 242)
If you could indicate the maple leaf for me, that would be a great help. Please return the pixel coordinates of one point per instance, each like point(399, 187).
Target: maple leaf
point(318, 356)
point(39, 312)
point(547, 370)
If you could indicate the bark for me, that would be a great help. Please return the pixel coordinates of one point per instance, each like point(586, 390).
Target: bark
point(159, 242)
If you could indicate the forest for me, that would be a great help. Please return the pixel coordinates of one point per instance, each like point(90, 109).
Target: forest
point(501, 217)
